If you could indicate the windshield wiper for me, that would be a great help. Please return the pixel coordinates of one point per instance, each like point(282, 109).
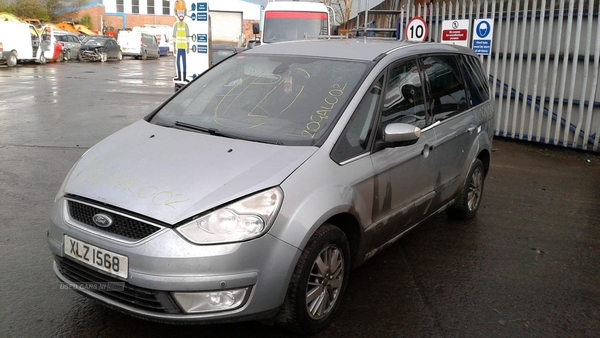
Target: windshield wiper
point(211, 131)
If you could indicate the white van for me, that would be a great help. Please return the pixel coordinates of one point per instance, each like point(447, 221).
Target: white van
point(163, 35)
point(19, 42)
point(138, 44)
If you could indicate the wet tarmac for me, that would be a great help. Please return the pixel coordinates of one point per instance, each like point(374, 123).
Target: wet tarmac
point(526, 266)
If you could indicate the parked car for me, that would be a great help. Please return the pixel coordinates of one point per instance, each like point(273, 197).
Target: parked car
point(99, 48)
point(71, 44)
point(221, 52)
point(253, 191)
point(138, 44)
point(20, 42)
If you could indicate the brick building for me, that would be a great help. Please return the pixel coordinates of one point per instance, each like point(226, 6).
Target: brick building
point(231, 19)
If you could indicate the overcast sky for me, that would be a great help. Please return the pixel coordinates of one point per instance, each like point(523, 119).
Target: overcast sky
point(357, 4)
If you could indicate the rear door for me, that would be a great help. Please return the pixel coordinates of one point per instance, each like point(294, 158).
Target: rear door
point(456, 128)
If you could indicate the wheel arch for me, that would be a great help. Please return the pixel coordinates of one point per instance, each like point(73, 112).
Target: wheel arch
point(485, 158)
point(350, 226)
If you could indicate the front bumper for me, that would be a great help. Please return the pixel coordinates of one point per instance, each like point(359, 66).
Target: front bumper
point(164, 263)
point(90, 55)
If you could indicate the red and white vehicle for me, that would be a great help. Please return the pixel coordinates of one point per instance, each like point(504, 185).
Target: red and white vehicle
point(294, 20)
point(53, 49)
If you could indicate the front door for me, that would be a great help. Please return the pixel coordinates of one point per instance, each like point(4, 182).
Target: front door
point(405, 174)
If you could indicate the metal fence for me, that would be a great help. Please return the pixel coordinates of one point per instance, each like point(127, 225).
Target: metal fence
point(543, 67)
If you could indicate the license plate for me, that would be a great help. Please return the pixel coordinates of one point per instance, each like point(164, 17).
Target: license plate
point(101, 259)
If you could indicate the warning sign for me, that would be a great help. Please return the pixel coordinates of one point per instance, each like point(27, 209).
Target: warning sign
point(456, 32)
point(482, 39)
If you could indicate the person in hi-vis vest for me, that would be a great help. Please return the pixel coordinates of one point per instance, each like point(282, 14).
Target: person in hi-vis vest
point(181, 35)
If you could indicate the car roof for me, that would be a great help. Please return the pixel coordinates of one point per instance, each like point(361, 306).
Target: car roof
point(355, 49)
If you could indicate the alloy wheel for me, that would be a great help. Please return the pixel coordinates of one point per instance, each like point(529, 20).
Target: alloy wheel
point(325, 282)
point(475, 188)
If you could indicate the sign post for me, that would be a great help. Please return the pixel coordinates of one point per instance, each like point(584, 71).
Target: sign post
point(482, 37)
point(456, 32)
point(192, 41)
point(416, 30)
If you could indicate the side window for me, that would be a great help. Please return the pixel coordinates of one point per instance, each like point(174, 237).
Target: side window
point(448, 96)
point(403, 99)
point(478, 92)
point(356, 137)
point(481, 79)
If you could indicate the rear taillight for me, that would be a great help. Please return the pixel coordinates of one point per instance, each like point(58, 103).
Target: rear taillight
point(1, 47)
point(141, 41)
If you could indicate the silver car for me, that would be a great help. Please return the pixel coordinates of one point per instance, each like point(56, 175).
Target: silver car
point(253, 192)
point(71, 44)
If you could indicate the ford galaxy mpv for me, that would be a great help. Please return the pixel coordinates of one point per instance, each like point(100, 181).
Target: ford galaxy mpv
point(252, 193)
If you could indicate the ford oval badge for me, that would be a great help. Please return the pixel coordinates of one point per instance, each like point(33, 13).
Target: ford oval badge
point(102, 220)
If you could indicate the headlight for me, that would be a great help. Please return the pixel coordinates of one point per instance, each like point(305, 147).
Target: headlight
point(245, 219)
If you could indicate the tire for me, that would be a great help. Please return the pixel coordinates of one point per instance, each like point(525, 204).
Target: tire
point(304, 316)
point(120, 56)
point(79, 57)
point(42, 59)
point(61, 57)
point(68, 55)
point(465, 206)
point(12, 59)
point(144, 55)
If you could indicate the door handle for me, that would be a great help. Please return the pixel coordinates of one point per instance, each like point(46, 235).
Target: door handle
point(471, 129)
point(426, 150)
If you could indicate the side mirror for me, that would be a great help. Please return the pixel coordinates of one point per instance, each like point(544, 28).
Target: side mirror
point(255, 28)
point(401, 134)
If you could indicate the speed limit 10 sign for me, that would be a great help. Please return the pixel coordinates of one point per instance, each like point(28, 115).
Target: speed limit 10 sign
point(416, 30)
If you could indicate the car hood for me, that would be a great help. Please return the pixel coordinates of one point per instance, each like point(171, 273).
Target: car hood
point(170, 175)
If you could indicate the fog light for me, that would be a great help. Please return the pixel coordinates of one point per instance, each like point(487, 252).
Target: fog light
point(200, 302)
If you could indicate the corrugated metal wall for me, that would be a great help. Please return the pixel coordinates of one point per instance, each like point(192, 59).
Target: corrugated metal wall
point(544, 66)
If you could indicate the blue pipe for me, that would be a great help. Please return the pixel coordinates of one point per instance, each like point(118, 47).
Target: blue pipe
point(545, 111)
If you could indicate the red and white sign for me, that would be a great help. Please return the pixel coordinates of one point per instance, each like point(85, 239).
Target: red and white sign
point(416, 30)
point(456, 32)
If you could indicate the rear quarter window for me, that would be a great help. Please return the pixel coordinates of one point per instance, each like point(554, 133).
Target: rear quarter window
point(476, 82)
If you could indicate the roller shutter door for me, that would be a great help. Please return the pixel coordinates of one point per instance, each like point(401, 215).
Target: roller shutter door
point(226, 27)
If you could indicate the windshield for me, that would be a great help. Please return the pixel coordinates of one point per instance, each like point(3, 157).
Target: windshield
point(93, 42)
point(288, 26)
point(286, 100)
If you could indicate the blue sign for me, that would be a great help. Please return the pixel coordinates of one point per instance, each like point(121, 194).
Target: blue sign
point(483, 29)
point(202, 38)
point(482, 39)
point(203, 49)
point(202, 7)
point(202, 17)
point(193, 16)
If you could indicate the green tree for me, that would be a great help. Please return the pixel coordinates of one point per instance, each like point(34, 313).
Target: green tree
point(86, 20)
point(30, 9)
point(53, 6)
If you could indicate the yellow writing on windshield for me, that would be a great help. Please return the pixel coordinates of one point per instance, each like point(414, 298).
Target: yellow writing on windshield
point(314, 125)
point(274, 94)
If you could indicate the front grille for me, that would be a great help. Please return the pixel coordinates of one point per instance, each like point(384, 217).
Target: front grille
point(122, 225)
point(146, 299)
